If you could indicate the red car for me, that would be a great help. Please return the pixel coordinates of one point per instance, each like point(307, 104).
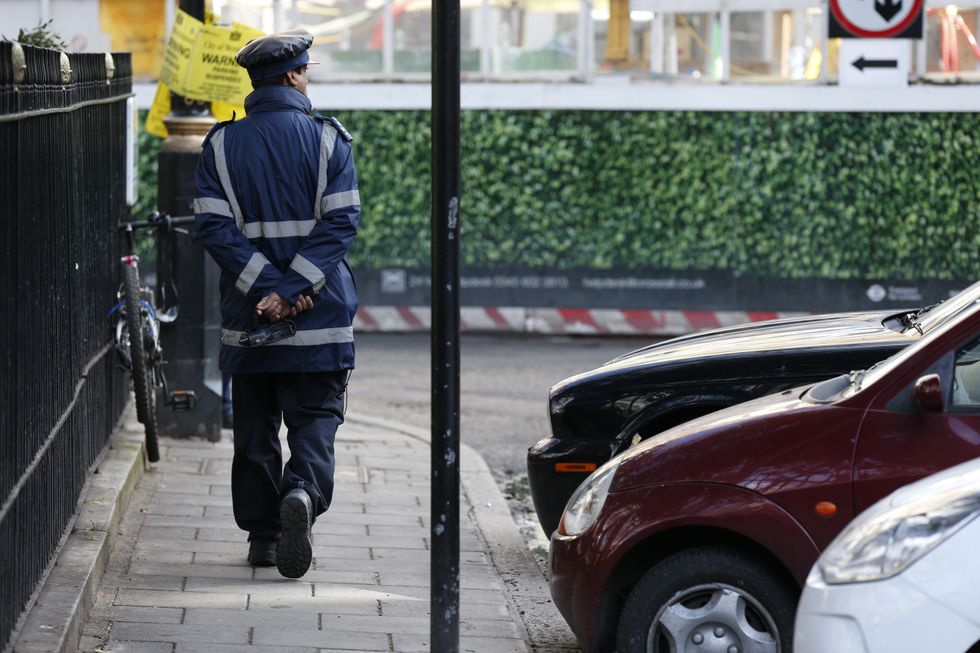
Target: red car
point(700, 538)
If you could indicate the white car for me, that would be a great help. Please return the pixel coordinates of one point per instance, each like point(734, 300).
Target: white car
point(903, 576)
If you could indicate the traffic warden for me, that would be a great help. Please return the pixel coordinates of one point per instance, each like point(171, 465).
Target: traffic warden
point(277, 207)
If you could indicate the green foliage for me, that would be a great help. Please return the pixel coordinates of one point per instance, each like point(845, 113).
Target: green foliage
point(42, 36)
point(149, 148)
point(777, 194)
point(392, 154)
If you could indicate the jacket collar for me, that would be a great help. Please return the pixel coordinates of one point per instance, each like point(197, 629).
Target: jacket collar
point(277, 98)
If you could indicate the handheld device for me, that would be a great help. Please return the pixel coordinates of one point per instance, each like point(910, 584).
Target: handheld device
point(267, 334)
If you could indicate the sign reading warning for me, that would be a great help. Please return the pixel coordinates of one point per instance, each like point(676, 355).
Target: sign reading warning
point(200, 60)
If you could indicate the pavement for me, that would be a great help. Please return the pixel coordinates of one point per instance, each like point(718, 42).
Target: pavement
point(163, 569)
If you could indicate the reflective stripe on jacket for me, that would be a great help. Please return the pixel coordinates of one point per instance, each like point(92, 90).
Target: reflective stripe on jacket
point(277, 207)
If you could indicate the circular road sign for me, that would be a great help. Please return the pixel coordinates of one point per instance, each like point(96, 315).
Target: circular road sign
point(871, 19)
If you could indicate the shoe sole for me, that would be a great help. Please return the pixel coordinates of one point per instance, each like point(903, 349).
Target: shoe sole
point(295, 551)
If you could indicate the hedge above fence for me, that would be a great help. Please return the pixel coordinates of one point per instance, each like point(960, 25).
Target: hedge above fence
point(774, 194)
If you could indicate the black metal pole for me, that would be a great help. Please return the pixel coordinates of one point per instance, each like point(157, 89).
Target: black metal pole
point(444, 614)
point(191, 343)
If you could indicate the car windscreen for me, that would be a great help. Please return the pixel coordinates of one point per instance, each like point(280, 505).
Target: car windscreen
point(935, 315)
point(861, 379)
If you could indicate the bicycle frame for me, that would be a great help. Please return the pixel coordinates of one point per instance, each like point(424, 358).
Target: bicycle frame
point(140, 334)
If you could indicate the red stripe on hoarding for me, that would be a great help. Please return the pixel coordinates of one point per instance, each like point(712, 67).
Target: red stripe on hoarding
point(496, 317)
point(761, 316)
point(645, 321)
point(367, 319)
point(580, 316)
point(702, 319)
point(409, 317)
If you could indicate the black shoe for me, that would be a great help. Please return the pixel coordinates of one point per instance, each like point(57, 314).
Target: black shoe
point(295, 551)
point(262, 553)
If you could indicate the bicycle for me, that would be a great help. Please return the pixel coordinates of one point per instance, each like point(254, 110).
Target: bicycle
point(136, 313)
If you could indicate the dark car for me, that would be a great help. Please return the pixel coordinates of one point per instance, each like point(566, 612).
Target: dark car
point(600, 413)
point(705, 533)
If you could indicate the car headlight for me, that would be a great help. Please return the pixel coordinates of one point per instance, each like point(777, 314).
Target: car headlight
point(584, 506)
point(886, 539)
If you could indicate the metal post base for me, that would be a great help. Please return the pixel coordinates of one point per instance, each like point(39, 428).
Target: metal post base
point(191, 343)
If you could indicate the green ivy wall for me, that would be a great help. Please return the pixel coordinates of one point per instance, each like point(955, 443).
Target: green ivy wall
point(775, 194)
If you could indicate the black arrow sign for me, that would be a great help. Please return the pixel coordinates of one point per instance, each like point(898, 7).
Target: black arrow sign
point(888, 8)
point(863, 63)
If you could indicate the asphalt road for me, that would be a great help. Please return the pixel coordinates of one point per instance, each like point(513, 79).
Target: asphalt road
point(504, 387)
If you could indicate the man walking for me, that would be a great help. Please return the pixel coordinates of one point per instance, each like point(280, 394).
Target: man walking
point(278, 208)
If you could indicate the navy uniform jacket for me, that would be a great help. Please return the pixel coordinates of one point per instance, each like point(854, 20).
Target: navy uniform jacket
point(277, 207)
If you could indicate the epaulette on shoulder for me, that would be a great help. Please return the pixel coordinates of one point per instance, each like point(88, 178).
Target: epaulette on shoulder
point(336, 125)
point(316, 115)
point(218, 126)
point(340, 128)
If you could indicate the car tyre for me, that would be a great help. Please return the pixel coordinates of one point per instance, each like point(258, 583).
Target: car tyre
point(704, 595)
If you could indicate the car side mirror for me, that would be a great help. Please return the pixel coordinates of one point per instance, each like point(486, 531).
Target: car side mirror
point(927, 393)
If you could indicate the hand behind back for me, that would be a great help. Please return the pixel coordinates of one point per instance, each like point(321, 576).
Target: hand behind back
point(274, 308)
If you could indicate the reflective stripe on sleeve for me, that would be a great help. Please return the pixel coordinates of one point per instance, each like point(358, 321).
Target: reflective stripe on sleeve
point(310, 338)
point(278, 229)
point(327, 139)
point(212, 205)
point(339, 201)
point(251, 272)
point(309, 271)
point(218, 144)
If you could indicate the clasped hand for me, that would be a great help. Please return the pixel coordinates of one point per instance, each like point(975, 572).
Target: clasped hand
point(274, 308)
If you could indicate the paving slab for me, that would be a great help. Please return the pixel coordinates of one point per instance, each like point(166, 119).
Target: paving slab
point(162, 583)
point(327, 639)
point(237, 648)
point(254, 616)
point(117, 646)
point(116, 613)
point(173, 633)
point(181, 599)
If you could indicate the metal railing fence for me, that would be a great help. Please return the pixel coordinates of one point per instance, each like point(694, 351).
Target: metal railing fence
point(62, 192)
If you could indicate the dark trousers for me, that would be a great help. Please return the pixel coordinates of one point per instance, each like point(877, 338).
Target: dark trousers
point(312, 405)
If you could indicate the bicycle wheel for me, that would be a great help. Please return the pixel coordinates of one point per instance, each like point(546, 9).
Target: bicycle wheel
point(143, 382)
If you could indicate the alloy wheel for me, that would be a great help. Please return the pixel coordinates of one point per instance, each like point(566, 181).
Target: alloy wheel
point(715, 618)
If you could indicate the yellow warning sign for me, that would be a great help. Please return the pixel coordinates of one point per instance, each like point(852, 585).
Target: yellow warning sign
point(223, 111)
point(158, 111)
point(200, 60)
point(161, 107)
